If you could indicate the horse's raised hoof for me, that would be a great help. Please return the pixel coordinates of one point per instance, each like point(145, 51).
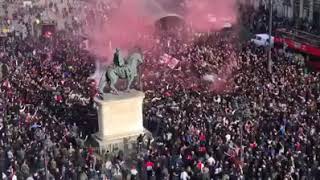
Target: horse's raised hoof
point(115, 93)
point(100, 95)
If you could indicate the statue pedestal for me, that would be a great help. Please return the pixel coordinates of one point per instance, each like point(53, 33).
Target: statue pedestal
point(120, 120)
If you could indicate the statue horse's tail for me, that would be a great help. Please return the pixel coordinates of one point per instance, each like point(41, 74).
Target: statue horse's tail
point(106, 76)
point(101, 82)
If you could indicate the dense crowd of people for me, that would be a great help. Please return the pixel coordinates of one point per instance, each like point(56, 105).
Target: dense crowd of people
point(273, 116)
point(246, 122)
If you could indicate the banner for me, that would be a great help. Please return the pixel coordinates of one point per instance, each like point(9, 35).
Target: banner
point(27, 3)
point(173, 63)
point(85, 44)
point(210, 77)
point(170, 61)
point(165, 58)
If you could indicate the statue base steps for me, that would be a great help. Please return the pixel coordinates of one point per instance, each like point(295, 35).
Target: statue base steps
point(120, 120)
point(126, 142)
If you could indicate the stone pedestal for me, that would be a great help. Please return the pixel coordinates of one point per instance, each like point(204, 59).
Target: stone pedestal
point(120, 120)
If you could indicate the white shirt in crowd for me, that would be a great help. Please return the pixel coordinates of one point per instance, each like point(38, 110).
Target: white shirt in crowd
point(134, 172)
point(184, 176)
point(4, 176)
point(211, 161)
point(10, 155)
point(14, 177)
point(108, 165)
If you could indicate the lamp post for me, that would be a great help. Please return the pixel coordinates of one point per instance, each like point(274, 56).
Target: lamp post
point(45, 159)
point(241, 139)
point(242, 111)
point(239, 114)
point(43, 139)
point(270, 38)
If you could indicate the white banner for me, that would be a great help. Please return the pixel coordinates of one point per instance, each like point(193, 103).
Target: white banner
point(170, 61)
point(27, 3)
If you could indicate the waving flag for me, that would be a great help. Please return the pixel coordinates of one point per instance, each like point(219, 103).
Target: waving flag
point(7, 84)
point(173, 63)
point(170, 61)
point(165, 58)
point(212, 18)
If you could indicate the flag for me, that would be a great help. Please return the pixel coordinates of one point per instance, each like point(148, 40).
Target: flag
point(173, 63)
point(170, 61)
point(210, 77)
point(7, 84)
point(165, 58)
point(212, 18)
point(227, 25)
point(48, 34)
point(86, 44)
point(27, 3)
point(110, 46)
point(35, 126)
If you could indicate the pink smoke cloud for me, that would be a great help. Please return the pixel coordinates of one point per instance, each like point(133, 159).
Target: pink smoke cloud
point(136, 18)
point(124, 29)
point(126, 25)
point(205, 15)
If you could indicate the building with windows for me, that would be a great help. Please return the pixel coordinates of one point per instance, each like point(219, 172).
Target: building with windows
point(293, 9)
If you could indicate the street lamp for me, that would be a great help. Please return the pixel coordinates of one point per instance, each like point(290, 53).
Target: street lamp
point(239, 115)
point(43, 139)
point(270, 39)
point(45, 157)
point(242, 111)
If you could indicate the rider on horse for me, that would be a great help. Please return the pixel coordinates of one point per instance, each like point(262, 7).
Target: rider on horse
point(121, 69)
point(120, 65)
point(118, 59)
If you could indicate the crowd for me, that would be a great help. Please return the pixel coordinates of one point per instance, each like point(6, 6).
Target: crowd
point(246, 122)
point(274, 117)
point(45, 88)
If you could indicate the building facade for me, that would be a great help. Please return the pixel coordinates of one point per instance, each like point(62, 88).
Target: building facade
point(293, 9)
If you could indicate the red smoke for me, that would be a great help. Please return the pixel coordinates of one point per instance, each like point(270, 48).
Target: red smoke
point(124, 29)
point(134, 19)
point(205, 15)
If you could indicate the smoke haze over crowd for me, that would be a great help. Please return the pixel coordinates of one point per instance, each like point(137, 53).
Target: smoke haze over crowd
point(136, 18)
point(218, 12)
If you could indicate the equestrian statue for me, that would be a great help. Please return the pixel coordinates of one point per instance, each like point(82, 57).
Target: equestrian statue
point(122, 68)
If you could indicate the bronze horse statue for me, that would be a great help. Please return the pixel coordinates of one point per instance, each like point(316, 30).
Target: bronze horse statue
point(128, 71)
